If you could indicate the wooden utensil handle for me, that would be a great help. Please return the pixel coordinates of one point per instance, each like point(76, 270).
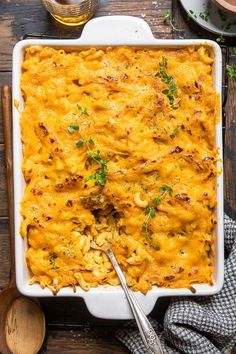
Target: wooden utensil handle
point(7, 124)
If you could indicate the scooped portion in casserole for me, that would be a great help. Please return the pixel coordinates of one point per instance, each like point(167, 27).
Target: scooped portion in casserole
point(118, 146)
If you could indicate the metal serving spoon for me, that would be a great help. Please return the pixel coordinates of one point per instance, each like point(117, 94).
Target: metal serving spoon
point(147, 332)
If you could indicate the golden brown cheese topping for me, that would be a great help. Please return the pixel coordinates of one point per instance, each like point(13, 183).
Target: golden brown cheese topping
point(118, 146)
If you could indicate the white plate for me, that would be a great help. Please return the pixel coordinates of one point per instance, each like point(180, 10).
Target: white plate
point(107, 301)
point(215, 23)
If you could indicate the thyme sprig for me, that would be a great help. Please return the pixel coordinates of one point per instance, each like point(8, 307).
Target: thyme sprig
point(168, 19)
point(83, 141)
point(168, 80)
point(100, 176)
point(150, 210)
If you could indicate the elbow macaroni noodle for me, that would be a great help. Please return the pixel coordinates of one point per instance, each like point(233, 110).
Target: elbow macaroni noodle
point(114, 153)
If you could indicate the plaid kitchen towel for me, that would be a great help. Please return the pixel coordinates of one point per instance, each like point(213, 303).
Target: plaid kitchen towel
point(198, 325)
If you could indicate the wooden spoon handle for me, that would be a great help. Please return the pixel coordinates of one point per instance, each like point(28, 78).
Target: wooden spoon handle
point(7, 124)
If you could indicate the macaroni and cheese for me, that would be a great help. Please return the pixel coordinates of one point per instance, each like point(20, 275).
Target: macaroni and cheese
point(118, 147)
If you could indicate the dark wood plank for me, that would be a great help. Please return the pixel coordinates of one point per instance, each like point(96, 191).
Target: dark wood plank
point(5, 79)
point(96, 341)
point(64, 312)
point(4, 253)
point(3, 194)
point(230, 152)
point(20, 17)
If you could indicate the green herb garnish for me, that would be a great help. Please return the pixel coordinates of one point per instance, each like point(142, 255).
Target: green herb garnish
point(83, 141)
point(204, 15)
point(150, 210)
point(99, 176)
point(147, 231)
point(91, 141)
point(222, 15)
point(80, 143)
point(82, 110)
point(165, 189)
point(168, 19)
point(173, 134)
point(231, 72)
point(167, 79)
point(220, 39)
point(73, 127)
point(190, 15)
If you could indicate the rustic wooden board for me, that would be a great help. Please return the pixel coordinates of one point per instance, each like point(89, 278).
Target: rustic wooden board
point(3, 194)
point(230, 152)
point(5, 79)
point(99, 341)
point(4, 253)
point(66, 312)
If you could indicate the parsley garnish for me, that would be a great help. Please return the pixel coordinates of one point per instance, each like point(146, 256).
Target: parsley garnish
point(82, 110)
point(167, 79)
point(73, 127)
point(99, 176)
point(230, 72)
point(167, 19)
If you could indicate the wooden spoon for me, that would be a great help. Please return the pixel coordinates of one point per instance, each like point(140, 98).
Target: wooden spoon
point(22, 321)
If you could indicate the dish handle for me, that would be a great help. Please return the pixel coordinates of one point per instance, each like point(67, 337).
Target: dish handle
point(112, 304)
point(114, 29)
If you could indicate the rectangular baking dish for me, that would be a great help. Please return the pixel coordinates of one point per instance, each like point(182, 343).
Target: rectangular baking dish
point(107, 301)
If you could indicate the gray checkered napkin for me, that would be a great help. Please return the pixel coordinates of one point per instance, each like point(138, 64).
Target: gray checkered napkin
point(198, 325)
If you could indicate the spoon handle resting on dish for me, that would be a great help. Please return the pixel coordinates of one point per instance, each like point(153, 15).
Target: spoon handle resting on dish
point(146, 330)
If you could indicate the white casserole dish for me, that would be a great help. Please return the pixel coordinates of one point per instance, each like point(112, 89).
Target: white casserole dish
point(107, 301)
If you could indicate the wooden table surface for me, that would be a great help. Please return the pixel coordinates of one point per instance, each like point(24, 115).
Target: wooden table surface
point(71, 329)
